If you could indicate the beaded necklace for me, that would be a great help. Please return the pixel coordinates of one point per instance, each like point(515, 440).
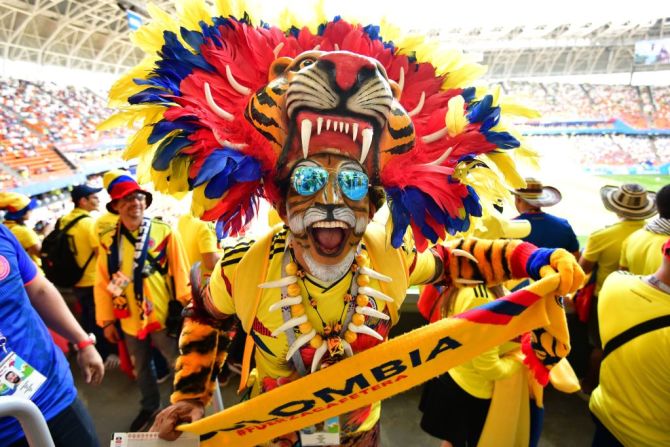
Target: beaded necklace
point(336, 339)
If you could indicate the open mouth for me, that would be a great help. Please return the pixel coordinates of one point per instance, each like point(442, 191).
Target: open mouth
point(329, 236)
point(347, 134)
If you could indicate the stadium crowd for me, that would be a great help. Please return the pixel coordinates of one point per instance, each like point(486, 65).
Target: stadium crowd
point(46, 129)
point(642, 107)
point(643, 216)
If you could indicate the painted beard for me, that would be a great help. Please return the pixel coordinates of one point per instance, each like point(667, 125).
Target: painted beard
point(329, 273)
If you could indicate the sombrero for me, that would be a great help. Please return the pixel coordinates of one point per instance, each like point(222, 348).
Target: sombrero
point(631, 201)
point(537, 194)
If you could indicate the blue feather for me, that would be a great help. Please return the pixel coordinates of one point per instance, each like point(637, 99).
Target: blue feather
point(372, 31)
point(480, 110)
point(502, 139)
point(246, 168)
point(153, 95)
point(491, 120)
point(399, 215)
point(193, 38)
point(164, 127)
point(167, 150)
point(468, 94)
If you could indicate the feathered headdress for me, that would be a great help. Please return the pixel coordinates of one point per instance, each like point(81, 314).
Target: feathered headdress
point(195, 97)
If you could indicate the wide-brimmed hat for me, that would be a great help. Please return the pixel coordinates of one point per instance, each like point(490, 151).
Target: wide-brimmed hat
point(537, 194)
point(631, 201)
point(119, 184)
point(16, 205)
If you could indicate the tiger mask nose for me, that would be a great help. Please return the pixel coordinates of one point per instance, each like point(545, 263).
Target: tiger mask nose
point(348, 69)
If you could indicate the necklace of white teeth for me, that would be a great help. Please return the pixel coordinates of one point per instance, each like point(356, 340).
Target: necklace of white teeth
point(337, 126)
point(360, 287)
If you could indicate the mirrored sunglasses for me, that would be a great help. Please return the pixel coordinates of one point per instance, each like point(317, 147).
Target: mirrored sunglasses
point(308, 180)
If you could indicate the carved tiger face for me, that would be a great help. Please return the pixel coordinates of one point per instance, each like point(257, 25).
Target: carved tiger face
point(337, 102)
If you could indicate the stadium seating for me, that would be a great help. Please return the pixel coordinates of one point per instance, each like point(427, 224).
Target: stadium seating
point(49, 132)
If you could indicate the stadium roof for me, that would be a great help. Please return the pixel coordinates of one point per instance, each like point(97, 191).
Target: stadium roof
point(93, 35)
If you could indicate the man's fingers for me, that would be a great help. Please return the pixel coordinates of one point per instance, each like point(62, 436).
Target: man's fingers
point(165, 424)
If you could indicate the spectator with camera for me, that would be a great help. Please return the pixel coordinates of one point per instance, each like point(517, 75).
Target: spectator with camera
point(141, 268)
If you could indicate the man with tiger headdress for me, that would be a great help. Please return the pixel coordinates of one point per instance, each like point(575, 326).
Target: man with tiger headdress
point(326, 124)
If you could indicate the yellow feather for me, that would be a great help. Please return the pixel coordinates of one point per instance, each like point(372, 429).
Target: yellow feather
point(510, 108)
point(120, 119)
point(229, 8)
point(463, 76)
point(138, 143)
point(507, 168)
point(179, 176)
point(200, 203)
point(125, 87)
point(192, 12)
point(455, 119)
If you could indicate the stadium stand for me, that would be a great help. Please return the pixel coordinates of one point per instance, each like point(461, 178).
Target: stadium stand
point(639, 107)
point(48, 131)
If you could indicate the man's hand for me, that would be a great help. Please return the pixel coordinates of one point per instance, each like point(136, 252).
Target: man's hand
point(91, 365)
point(111, 334)
point(571, 274)
point(174, 415)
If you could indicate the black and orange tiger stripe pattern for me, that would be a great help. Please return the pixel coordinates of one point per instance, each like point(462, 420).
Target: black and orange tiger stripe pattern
point(312, 83)
point(493, 265)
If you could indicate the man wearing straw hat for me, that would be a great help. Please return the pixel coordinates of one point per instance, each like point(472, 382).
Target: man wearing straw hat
point(632, 203)
point(640, 253)
point(547, 230)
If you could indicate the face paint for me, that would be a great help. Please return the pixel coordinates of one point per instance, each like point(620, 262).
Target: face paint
point(327, 210)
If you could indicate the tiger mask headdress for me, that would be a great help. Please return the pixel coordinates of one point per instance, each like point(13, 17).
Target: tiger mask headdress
point(226, 109)
point(337, 101)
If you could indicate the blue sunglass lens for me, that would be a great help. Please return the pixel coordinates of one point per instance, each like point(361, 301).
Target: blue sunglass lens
point(354, 184)
point(308, 180)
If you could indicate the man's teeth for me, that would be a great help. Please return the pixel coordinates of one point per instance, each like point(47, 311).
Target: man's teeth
point(338, 126)
point(330, 224)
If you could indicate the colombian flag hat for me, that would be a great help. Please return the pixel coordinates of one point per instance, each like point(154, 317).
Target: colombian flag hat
point(119, 184)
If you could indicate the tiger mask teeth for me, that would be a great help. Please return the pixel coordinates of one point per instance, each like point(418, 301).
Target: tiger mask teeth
point(310, 127)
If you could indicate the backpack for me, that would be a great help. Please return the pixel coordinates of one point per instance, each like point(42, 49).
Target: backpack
point(58, 260)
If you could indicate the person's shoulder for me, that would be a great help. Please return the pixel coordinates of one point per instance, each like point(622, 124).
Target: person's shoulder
point(556, 218)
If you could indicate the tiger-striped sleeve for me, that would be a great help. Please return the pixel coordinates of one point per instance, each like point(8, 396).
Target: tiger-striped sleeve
point(496, 261)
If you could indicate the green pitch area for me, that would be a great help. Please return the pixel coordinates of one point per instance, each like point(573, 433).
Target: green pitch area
point(651, 182)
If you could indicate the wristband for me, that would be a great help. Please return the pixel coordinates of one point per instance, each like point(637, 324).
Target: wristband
point(88, 341)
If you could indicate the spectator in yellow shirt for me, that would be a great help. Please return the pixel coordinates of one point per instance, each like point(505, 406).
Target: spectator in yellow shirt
point(84, 243)
point(630, 406)
point(17, 209)
point(632, 203)
point(641, 252)
point(141, 267)
point(200, 242)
